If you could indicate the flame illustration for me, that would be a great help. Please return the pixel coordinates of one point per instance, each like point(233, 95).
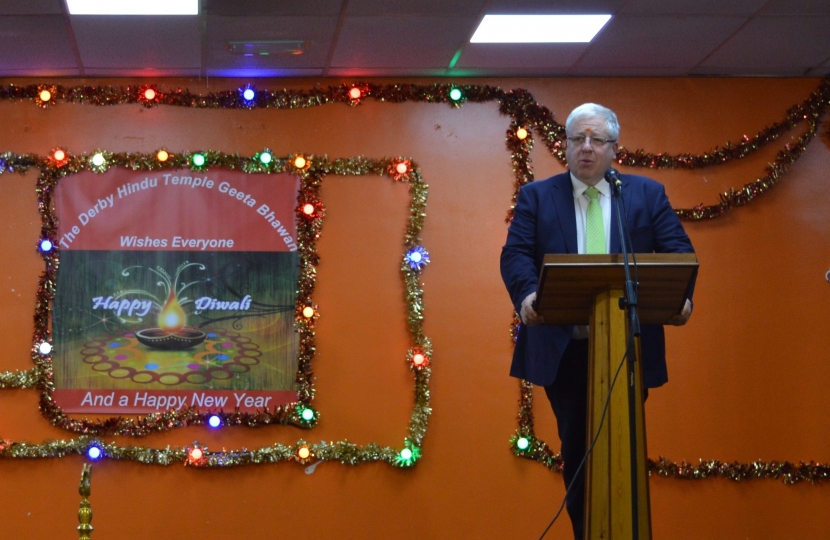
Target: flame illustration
point(171, 317)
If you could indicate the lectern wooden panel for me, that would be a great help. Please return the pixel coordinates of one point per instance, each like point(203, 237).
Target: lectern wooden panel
point(568, 283)
point(585, 289)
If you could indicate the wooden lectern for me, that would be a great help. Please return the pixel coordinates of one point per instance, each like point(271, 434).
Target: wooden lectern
point(585, 289)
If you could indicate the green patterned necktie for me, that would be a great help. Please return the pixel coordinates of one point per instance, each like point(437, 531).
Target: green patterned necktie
point(594, 226)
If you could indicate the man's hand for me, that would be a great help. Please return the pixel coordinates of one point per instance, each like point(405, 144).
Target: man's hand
point(678, 320)
point(528, 314)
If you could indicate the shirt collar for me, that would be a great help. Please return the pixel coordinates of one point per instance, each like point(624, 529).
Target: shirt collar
point(579, 187)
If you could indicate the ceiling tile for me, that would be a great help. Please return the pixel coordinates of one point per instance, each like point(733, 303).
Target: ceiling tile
point(248, 8)
point(698, 7)
point(565, 7)
point(138, 41)
point(36, 43)
point(798, 7)
point(154, 73)
point(354, 73)
point(263, 72)
point(658, 42)
point(520, 55)
point(440, 8)
point(786, 45)
point(31, 7)
point(318, 31)
point(406, 41)
point(627, 71)
point(39, 72)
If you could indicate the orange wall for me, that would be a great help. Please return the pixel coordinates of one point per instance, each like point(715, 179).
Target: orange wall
point(748, 373)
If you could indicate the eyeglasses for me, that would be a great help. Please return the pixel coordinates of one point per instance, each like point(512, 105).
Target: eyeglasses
point(595, 142)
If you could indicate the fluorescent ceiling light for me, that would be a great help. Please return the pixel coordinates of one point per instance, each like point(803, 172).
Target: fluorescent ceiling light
point(539, 28)
point(133, 7)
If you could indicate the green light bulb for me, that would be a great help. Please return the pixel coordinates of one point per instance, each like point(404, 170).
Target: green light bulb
point(455, 94)
point(198, 160)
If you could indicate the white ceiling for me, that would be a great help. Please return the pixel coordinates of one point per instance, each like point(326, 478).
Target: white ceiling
point(398, 38)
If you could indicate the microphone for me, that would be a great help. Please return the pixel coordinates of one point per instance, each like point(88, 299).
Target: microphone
point(613, 178)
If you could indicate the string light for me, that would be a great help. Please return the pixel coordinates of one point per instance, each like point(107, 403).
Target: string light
point(214, 421)
point(45, 95)
point(94, 452)
point(303, 452)
point(59, 155)
point(308, 312)
point(198, 160)
point(308, 209)
point(307, 414)
point(521, 134)
point(417, 257)
point(196, 454)
point(408, 456)
point(418, 359)
point(355, 93)
point(149, 94)
point(401, 168)
point(162, 155)
point(456, 94)
point(46, 245)
point(98, 159)
point(300, 162)
point(522, 443)
point(265, 158)
point(45, 347)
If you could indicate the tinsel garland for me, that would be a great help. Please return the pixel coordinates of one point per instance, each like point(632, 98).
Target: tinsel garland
point(519, 104)
point(342, 451)
point(311, 170)
point(553, 135)
point(789, 473)
point(20, 379)
point(526, 115)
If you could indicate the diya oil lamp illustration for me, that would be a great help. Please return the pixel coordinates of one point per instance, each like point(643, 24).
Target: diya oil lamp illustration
point(171, 333)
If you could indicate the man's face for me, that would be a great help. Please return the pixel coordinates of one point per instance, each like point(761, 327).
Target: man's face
point(589, 161)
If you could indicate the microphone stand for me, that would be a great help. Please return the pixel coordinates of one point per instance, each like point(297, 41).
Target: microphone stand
point(629, 303)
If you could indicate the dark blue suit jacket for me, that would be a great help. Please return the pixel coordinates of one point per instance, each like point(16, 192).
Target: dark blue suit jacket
point(545, 222)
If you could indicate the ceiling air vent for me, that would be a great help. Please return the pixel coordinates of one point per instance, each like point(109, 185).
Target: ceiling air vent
point(267, 47)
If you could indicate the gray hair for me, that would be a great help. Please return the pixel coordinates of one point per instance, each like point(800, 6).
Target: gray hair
point(592, 109)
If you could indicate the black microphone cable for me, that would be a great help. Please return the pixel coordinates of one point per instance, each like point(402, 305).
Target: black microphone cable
point(629, 340)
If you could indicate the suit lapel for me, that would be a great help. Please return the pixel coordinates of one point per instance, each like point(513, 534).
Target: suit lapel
point(563, 200)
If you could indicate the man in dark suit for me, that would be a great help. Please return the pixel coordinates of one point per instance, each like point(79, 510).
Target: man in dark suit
point(562, 215)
